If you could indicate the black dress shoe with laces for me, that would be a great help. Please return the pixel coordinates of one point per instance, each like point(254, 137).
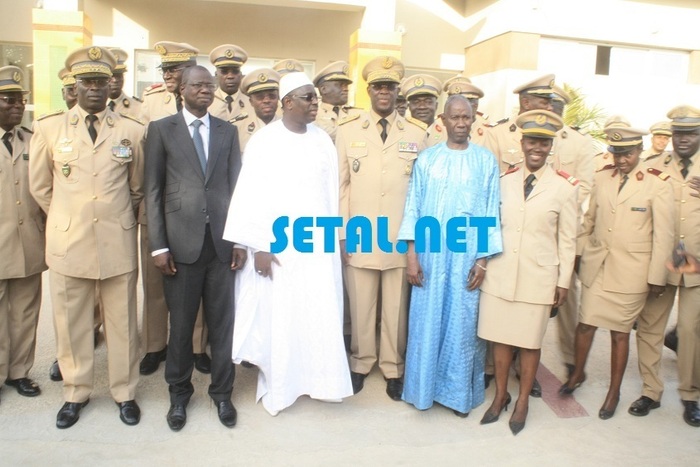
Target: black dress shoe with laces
point(202, 363)
point(151, 361)
point(55, 372)
point(69, 414)
point(394, 388)
point(177, 417)
point(227, 413)
point(642, 406)
point(129, 412)
point(358, 381)
point(25, 387)
point(691, 414)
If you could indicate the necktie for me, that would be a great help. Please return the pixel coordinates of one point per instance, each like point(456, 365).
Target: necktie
point(178, 102)
point(685, 163)
point(229, 99)
point(384, 123)
point(336, 109)
point(622, 182)
point(529, 184)
point(111, 106)
point(199, 144)
point(6, 139)
point(91, 119)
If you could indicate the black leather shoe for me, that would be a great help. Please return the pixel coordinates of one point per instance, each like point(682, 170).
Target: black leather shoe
point(69, 414)
point(569, 369)
point(202, 363)
point(227, 413)
point(25, 387)
point(55, 372)
point(394, 388)
point(460, 414)
point(691, 414)
point(151, 361)
point(487, 380)
point(129, 412)
point(671, 340)
point(177, 417)
point(643, 405)
point(358, 381)
point(536, 391)
point(566, 390)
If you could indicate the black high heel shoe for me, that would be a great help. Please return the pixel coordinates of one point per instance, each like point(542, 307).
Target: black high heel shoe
point(490, 417)
point(606, 414)
point(566, 390)
point(517, 427)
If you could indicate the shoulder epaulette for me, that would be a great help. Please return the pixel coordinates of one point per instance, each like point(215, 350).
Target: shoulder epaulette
point(51, 114)
point(154, 88)
point(347, 119)
point(662, 175)
point(510, 170)
point(418, 123)
point(569, 178)
point(26, 129)
point(238, 118)
point(500, 122)
point(607, 167)
point(136, 99)
point(131, 117)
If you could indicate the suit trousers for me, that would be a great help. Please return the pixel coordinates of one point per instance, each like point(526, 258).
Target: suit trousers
point(155, 311)
point(74, 310)
point(209, 281)
point(363, 290)
point(20, 301)
point(688, 330)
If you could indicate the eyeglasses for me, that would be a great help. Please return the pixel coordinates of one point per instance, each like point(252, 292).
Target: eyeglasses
point(172, 69)
point(310, 97)
point(198, 86)
point(387, 85)
point(14, 100)
point(94, 82)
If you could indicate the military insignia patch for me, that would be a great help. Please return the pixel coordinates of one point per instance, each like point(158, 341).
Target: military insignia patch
point(640, 176)
point(512, 128)
point(616, 136)
point(65, 170)
point(480, 131)
point(355, 165)
point(125, 142)
point(126, 103)
point(228, 53)
point(667, 160)
point(407, 146)
point(251, 127)
point(25, 157)
point(365, 125)
point(399, 125)
point(262, 77)
point(289, 66)
point(346, 69)
point(110, 120)
point(419, 82)
point(541, 119)
point(16, 77)
point(160, 49)
point(167, 99)
point(74, 120)
point(94, 53)
point(388, 63)
point(408, 169)
point(121, 152)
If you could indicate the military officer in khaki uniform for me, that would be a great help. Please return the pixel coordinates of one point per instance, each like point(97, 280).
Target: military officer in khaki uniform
point(660, 136)
point(262, 88)
point(22, 225)
point(423, 96)
point(118, 101)
point(461, 85)
point(681, 166)
point(161, 100)
point(229, 102)
point(376, 152)
point(288, 65)
point(332, 83)
point(605, 158)
point(68, 89)
point(86, 173)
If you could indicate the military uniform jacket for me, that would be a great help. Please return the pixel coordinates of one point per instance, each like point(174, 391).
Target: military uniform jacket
point(687, 210)
point(90, 192)
point(327, 120)
point(437, 132)
point(240, 106)
point(127, 105)
point(374, 178)
point(649, 155)
point(22, 222)
point(157, 103)
point(630, 232)
point(248, 126)
point(539, 239)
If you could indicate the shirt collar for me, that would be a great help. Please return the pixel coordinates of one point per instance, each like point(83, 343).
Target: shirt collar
point(83, 113)
point(538, 173)
point(189, 118)
point(376, 117)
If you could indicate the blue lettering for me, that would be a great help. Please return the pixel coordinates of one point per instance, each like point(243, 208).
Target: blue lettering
point(433, 226)
point(383, 235)
point(353, 237)
point(301, 235)
point(281, 240)
point(482, 225)
point(329, 224)
point(457, 235)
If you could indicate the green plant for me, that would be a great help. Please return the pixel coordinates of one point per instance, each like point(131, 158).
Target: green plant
point(587, 119)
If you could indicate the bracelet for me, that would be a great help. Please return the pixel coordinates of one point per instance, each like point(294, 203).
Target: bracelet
point(483, 268)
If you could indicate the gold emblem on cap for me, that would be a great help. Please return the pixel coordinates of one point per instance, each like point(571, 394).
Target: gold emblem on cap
point(262, 77)
point(388, 63)
point(541, 119)
point(551, 83)
point(16, 77)
point(95, 53)
point(161, 50)
point(289, 66)
point(419, 82)
point(228, 53)
point(346, 69)
point(457, 89)
point(682, 112)
point(616, 136)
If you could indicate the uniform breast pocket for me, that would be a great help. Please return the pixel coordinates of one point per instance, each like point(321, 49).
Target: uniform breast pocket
point(65, 162)
point(406, 159)
point(357, 161)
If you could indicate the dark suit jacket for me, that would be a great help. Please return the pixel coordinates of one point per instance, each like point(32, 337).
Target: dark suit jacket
point(179, 197)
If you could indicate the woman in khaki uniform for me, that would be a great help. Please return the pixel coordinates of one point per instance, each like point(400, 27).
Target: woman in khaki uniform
point(627, 236)
point(538, 218)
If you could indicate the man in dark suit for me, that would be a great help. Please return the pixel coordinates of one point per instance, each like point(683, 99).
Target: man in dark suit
point(193, 161)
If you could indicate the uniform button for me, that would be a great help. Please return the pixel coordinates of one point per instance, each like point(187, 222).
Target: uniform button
point(16, 182)
point(21, 222)
point(613, 211)
point(14, 163)
point(682, 218)
point(19, 202)
point(94, 220)
point(609, 230)
point(384, 151)
point(682, 237)
point(522, 209)
point(382, 194)
point(515, 250)
point(683, 201)
point(94, 197)
point(94, 151)
point(607, 248)
point(383, 171)
point(518, 229)
point(94, 174)
point(204, 209)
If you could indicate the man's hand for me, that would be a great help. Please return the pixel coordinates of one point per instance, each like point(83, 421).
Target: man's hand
point(238, 258)
point(656, 290)
point(577, 263)
point(165, 263)
point(689, 266)
point(414, 273)
point(343, 253)
point(560, 296)
point(476, 274)
point(263, 263)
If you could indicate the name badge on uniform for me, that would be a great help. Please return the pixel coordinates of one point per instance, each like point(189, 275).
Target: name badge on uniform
point(639, 209)
point(358, 144)
point(405, 146)
point(25, 157)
